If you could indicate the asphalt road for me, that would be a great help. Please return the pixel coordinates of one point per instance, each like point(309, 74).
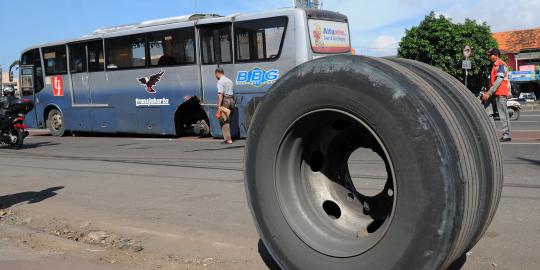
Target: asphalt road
point(183, 201)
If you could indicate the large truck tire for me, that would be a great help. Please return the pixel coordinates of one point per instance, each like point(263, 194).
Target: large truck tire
point(433, 207)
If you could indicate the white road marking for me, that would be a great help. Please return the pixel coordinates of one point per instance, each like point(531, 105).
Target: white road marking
point(524, 143)
point(177, 140)
point(169, 140)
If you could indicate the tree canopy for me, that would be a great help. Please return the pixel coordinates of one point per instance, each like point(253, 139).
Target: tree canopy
point(439, 42)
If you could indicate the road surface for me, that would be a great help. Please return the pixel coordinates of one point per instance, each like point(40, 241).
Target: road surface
point(161, 203)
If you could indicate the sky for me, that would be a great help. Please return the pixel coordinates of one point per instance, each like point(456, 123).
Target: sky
point(376, 26)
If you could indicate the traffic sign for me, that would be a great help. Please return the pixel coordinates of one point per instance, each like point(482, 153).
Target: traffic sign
point(466, 64)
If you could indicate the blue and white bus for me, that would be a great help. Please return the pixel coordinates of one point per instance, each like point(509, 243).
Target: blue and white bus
point(157, 77)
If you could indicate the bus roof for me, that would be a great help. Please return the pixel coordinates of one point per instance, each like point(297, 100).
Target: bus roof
point(186, 20)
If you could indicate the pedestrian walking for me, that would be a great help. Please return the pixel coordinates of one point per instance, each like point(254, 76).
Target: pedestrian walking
point(225, 103)
point(500, 90)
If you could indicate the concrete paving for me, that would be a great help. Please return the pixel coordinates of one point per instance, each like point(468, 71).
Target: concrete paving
point(183, 201)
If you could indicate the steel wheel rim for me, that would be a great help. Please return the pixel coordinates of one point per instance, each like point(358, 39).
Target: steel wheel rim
point(56, 122)
point(315, 197)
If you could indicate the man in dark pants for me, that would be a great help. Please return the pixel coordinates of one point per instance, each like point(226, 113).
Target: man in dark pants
point(225, 99)
point(500, 89)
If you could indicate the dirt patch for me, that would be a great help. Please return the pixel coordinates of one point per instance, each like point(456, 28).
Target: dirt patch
point(111, 248)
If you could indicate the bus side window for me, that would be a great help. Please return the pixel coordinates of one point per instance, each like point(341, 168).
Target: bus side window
point(260, 40)
point(96, 59)
point(216, 44)
point(126, 52)
point(55, 60)
point(77, 55)
point(172, 47)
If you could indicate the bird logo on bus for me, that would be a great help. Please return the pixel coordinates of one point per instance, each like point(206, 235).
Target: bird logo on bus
point(257, 77)
point(151, 81)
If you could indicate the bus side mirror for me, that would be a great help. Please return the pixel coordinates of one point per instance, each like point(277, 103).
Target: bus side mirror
point(10, 76)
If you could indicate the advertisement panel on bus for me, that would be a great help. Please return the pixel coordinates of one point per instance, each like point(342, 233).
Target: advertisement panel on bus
point(329, 36)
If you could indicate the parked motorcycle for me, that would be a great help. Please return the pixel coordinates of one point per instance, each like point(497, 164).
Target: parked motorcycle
point(513, 107)
point(13, 131)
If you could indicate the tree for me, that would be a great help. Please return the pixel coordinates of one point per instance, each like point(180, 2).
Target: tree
point(439, 42)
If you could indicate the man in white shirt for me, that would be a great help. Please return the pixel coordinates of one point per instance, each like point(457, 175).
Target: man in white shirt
point(226, 99)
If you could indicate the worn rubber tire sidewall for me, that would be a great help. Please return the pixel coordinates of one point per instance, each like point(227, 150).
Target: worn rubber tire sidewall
point(420, 146)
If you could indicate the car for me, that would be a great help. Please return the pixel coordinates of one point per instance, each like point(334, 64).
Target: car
point(526, 97)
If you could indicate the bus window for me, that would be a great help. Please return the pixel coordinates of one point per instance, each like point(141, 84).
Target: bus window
point(77, 55)
point(28, 58)
point(96, 60)
point(55, 60)
point(38, 72)
point(126, 52)
point(260, 40)
point(172, 47)
point(216, 44)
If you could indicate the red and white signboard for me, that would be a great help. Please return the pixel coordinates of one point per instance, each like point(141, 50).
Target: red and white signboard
point(329, 36)
point(57, 86)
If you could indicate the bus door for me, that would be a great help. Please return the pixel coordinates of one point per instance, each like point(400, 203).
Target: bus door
point(26, 88)
point(31, 83)
point(215, 47)
point(80, 89)
point(102, 113)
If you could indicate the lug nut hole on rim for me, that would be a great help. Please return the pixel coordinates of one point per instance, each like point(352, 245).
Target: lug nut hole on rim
point(316, 161)
point(332, 209)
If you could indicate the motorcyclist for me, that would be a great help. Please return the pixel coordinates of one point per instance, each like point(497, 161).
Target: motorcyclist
point(6, 100)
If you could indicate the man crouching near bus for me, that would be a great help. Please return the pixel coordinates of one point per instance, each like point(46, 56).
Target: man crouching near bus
point(500, 88)
point(225, 99)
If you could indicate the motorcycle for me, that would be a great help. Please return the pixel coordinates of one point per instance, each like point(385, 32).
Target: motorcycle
point(513, 107)
point(13, 131)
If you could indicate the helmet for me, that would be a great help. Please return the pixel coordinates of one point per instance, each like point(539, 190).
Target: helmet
point(9, 91)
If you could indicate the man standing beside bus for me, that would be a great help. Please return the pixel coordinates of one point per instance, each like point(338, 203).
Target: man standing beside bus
point(225, 99)
point(500, 88)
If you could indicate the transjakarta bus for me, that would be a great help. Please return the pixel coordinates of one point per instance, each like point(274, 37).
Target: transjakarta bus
point(157, 77)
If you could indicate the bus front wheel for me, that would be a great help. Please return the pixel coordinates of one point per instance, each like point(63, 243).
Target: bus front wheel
point(55, 123)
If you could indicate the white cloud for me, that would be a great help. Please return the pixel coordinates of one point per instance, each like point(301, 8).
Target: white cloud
point(501, 15)
point(378, 26)
point(383, 45)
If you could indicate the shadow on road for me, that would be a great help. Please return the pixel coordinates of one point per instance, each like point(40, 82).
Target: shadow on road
point(272, 265)
point(459, 263)
point(266, 257)
point(532, 161)
point(30, 197)
point(37, 145)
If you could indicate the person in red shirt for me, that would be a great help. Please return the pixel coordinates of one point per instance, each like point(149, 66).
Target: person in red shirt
point(500, 90)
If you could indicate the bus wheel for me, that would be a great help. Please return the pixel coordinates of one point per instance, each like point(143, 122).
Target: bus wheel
point(55, 123)
point(307, 188)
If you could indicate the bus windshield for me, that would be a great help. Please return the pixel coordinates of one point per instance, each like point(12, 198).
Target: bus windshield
point(329, 36)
